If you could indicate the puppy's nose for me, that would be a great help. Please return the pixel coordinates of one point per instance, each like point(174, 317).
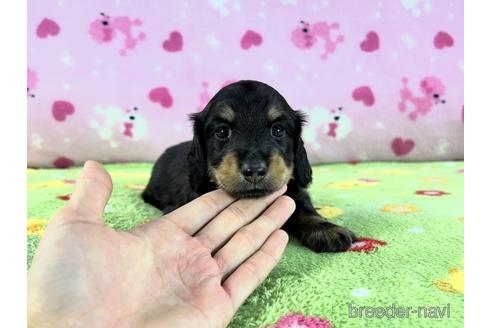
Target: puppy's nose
point(254, 171)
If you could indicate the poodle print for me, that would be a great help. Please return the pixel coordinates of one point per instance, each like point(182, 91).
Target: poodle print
point(432, 90)
point(322, 122)
point(105, 29)
point(32, 80)
point(306, 36)
point(339, 125)
point(114, 124)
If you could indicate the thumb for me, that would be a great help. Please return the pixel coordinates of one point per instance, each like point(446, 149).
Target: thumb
point(91, 194)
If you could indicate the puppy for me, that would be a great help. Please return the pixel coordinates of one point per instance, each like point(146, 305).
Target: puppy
point(246, 141)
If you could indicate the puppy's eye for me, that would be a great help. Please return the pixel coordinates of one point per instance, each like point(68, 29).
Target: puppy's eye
point(277, 130)
point(223, 132)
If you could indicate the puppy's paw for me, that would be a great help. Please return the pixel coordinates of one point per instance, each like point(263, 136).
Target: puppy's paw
point(324, 236)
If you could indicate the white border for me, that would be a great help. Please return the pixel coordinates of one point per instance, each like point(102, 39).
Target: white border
point(13, 138)
point(478, 163)
point(478, 190)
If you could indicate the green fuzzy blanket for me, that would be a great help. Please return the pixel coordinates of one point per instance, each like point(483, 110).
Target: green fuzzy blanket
point(406, 272)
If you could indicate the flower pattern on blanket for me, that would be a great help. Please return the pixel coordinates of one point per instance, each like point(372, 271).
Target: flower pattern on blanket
point(455, 281)
point(395, 209)
point(36, 226)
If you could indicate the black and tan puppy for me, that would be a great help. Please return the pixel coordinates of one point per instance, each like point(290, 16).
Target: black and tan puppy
point(246, 141)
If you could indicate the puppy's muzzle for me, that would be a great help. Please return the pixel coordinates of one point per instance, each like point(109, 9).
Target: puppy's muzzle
point(254, 171)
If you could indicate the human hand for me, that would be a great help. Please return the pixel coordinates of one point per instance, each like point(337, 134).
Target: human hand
point(192, 268)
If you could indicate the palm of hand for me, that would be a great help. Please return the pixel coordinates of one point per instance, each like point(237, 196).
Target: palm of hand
point(133, 278)
point(164, 273)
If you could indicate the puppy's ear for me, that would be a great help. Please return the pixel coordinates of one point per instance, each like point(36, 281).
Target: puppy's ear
point(197, 162)
point(302, 168)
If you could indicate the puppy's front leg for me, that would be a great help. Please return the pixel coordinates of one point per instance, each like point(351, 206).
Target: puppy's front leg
point(314, 231)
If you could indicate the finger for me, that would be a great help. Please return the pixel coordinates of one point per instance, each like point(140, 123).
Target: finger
point(194, 215)
point(251, 273)
point(233, 218)
point(250, 238)
point(91, 194)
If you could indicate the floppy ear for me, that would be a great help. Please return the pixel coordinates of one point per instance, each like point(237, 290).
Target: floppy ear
point(302, 168)
point(197, 162)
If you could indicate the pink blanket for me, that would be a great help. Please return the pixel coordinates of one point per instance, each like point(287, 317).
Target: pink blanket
point(380, 80)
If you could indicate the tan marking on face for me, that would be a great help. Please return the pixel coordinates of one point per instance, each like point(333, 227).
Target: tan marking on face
point(273, 114)
point(279, 172)
point(227, 174)
point(227, 114)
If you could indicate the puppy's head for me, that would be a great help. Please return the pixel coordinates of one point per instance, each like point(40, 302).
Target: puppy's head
point(248, 142)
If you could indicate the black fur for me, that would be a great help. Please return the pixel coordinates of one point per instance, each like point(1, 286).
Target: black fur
point(182, 173)
point(197, 162)
point(302, 171)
